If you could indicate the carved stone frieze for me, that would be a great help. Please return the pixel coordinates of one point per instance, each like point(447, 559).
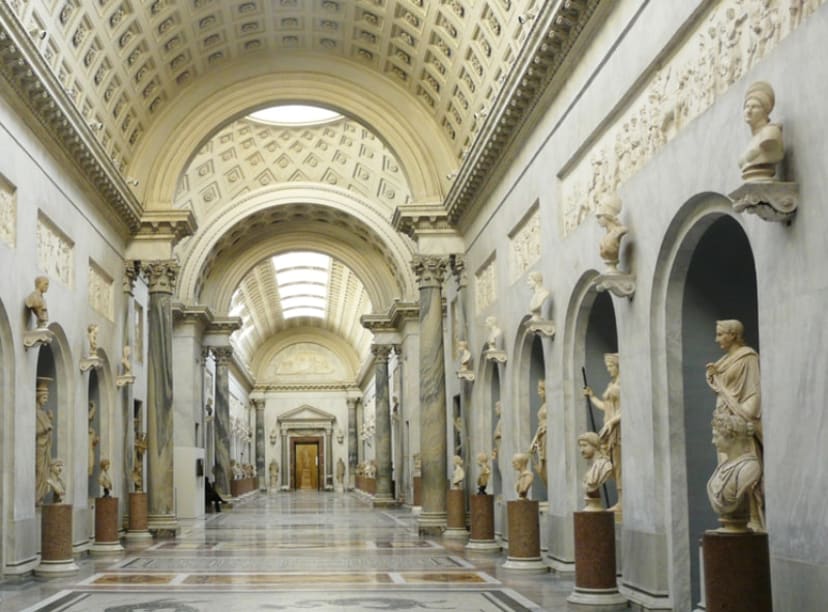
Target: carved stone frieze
point(8, 212)
point(485, 286)
point(55, 251)
point(100, 291)
point(524, 245)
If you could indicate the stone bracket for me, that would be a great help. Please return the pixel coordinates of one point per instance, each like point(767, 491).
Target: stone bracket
point(541, 327)
point(495, 355)
point(770, 200)
point(88, 363)
point(620, 284)
point(123, 381)
point(465, 375)
point(36, 337)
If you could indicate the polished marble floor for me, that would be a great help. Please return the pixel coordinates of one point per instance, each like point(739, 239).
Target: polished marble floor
point(292, 551)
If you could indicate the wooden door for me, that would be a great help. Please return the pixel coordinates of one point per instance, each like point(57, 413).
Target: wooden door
point(307, 471)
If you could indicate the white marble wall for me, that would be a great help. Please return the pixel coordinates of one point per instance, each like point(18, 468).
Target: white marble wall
point(661, 202)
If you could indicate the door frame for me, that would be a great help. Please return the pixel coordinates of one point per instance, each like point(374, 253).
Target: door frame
point(320, 455)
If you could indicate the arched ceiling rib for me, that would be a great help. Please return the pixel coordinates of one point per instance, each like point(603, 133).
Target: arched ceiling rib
point(124, 62)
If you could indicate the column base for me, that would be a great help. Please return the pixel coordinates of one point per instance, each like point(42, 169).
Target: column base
point(102, 549)
point(432, 523)
point(56, 569)
point(455, 533)
point(416, 510)
point(138, 535)
point(163, 525)
point(524, 565)
point(384, 501)
point(596, 600)
point(483, 547)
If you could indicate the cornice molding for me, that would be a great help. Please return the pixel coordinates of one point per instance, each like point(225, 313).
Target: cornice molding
point(335, 386)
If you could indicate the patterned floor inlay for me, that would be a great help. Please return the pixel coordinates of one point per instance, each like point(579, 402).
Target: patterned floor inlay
point(291, 563)
point(495, 600)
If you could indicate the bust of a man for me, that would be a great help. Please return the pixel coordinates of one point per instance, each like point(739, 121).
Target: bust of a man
point(104, 479)
point(485, 471)
point(600, 468)
point(36, 301)
point(55, 481)
point(539, 295)
point(495, 334)
point(520, 461)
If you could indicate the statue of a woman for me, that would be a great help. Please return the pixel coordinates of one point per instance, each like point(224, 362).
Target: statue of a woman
point(607, 216)
point(600, 468)
point(537, 448)
point(92, 337)
point(43, 438)
point(765, 150)
point(459, 474)
point(340, 471)
point(610, 434)
point(734, 489)
point(483, 476)
point(498, 433)
point(520, 461)
point(539, 295)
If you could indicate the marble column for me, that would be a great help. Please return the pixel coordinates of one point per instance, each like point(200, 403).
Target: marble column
point(223, 427)
point(382, 436)
point(353, 440)
point(259, 405)
point(161, 277)
point(131, 272)
point(430, 271)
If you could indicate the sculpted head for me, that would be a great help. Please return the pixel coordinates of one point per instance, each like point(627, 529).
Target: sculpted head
point(498, 406)
point(729, 332)
point(42, 283)
point(457, 460)
point(589, 444)
point(535, 279)
point(104, 464)
point(759, 102)
point(729, 428)
point(520, 461)
point(611, 363)
point(542, 389)
point(42, 393)
point(56, 467)
point(482, 459)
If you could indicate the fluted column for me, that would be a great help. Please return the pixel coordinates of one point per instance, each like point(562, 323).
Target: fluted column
point(353, 440)
point(223, 427)
point(161, 277)
point(259, 405)
point(430, 271)
point(382, 436)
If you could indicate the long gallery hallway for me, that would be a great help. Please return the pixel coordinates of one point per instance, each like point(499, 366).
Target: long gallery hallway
point(293, 551)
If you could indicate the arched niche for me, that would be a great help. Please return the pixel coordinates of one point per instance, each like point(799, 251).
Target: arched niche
point(496, 425)
point(712, 276)
point(531, 386)
point(93, 454)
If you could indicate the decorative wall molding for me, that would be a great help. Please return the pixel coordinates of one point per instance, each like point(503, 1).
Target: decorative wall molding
point(485, 286)
point(524, 244)
point(100, 291)
point(8, 212)
point(55, 251)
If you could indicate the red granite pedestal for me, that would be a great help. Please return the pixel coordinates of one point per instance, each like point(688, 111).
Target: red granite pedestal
point(417, 481)
point(482, 538)
point(524, 538)
point(56, 541)
point(106, 527)
point(137, 526)
point(596, 586)
point(456, 515)
point(736, 571)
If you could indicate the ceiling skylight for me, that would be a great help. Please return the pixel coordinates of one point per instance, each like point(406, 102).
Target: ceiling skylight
point(295, 114)
point(302, 279)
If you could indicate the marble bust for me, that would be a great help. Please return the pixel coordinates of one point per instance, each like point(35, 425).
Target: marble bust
point(459, 474)
point(520, 461)
point(485, 471)
point(92, 337)
point(734, 488)
point(55, 481)
point(465, 358)
point(539, 295)
point(765, 149)
point(104, 479)
point(600, 468)
point(126, 361)
point(495, 334)
point(607, 216)
point(36, 301)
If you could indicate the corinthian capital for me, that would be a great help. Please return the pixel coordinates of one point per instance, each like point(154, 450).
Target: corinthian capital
point(161, 275)
point(430, 269)
point(223, 354)
point(381, 351)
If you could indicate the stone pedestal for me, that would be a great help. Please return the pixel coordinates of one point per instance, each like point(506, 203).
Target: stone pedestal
point(417, 481)
point(524, 538)
point(56, 541)
point(137, 526)
point(736, 572)
point(456, 509)
point(106, 527)
point(596, 587)
point(482, 525)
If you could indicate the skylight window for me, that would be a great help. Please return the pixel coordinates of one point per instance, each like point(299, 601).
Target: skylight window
point(295, 114)
point(302, 279)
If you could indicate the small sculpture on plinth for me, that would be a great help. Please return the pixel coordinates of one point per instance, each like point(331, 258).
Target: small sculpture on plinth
point(537, 448)
point(493, 351)
point(464, 372)
point(538, 322)
point(43, 438)
point(126, 377)
point(273, 471)
point(459, 474)
point(92, 360)
point(621, 284)
point(55, 481)
point(36, 304)
point(104, 479)
point(138, 468)
point(600, 469)
point(762, 193)
point(485, 471)
point(520, 461)
point(610, 433)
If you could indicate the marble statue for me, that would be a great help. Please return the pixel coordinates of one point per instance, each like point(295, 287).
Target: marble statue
point(495, 334)
point(539, 295)
point(94, 438)
point(92, 337)
point(600, 468)
point(458, 427)
point(138, 468)
point(274, 435)
point(520, 461)
point(465, 358)
point(736, 381)
point(459, 474)
point(340, 471)
point(537, 448)
point(273, 470)
point(483, 476)
point(236, 469)
point(43, 438)
point(607, 216)
point(765, 150)
point(104, 479)
point(498, 431)
point(126, 361)
point(610, 434)
point(55, 482)
point(735, 488)
point(371, 469)
point(36, 302)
